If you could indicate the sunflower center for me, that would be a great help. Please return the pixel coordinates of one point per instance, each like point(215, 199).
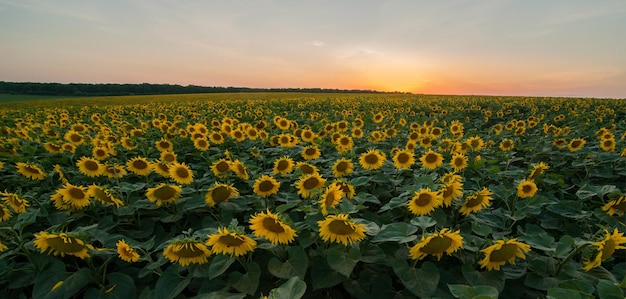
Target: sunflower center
point(608, 143)
point(283, 164)
point(231, 241)
point(32, 170)
point(140, 164)
point(474, 201)
point(344, 141)
point(342, 166)
point(448, 191)
point(165, 193)
point(608, 249)
point(221, 194)
point(458, 162)
point(620, 206)
point(576, 143)
point(164, 144)
point(273, 225)
point(101, 195)
point(310, 151)
point(65, 245)
point(437, 245)
point(222, 166)
point(310, 183)
point(252, 133)
point(341, 227)
point(527, 188)
point(266, 186)
point(284, 140)
point(91, 165)
point(75, 138)
point(306, 168)
point(189, 250)
point(503, 254)
point(431, 158)
point(307, 134)
point(403, 158)
point(423, 200)
point(76, 193)
point(371, 159)
point(202, 143)
point(182, 173)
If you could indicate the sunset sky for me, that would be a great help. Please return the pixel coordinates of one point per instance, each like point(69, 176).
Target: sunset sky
point(499, 47)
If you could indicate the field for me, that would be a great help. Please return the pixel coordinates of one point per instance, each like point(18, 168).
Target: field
point(291, 195)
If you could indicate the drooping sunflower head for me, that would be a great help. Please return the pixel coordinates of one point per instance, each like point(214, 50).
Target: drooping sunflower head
point(431, 160)
point(372, 159)
point(126, 252)
point(617, 205)
point(186, 252)
point(232, 243)
point(30, 171)
point(339, 229)
point(163, 194)
point(538, 170)
point(444, 241)
point(16, 203)
point(526, 189)
point(451, 191)
point(330, 198)
point(424, 201)
point(501, 252)
point(220, 193)
point(272, 228)
point(62, 244)
point(476, 202)
point(104, 196)
point(266, 186)
point(239, 169)
point(604, 249)
point(347, 189)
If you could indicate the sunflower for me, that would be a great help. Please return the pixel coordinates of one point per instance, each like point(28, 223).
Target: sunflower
point(617, 205)
point(343, 167)
point(476, 202)
point(239, 169)
point(608, 145)
point(348, 189)
point(372, 159)
point(221, 168)
point(456, 127)
point(68, 147)
point(62, 244)
point(306, 168)
point(458, 162)
point(344, 143)
point(216, 137)
point(3, 247)
point(232, 243)
point(90, 167)
point(605, 248)
point(181, 173)
point(104, 196)
point(74, 137)
point(77, 197)
point(162, 168)
point(201, 144)
point(431, 160)
point(506, 144)
point(311, 152)
point(538, 170)
point(270, 227)
point(266, 186)
point(5, 213)
point(164, 145)
point(526, 189)
point(163, 193)
point(220, 193)
point(168, 157)
point(444, 241)
point(139, 166)
point(499, 253)
point(339, 229)
point(30, 171)
point(450, 191)
point(307, 184)
point(100, 153)
point(126, 252)
point(403, 159)
point(424, 201)
point(15, 202)
point(186, 252)
point(52, 148)
point(576, 144)
point(308, 135)
point(283, 165)
point(127, 143)
point(331, 198)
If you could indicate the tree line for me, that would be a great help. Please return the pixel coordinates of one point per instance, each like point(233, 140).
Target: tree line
point(113, 89)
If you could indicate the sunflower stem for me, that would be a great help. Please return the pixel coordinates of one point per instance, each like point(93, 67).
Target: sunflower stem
point(569, 257)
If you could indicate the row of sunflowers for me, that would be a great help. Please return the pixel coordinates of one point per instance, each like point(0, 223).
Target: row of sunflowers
point(309, 195)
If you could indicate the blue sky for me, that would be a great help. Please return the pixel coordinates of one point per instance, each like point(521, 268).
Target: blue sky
point(505, 47)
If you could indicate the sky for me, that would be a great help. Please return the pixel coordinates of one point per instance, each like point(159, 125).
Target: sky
point(483, 47)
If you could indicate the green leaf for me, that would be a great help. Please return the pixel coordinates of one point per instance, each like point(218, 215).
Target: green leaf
point(570, 209)
point(396, 202)
point(71, 284)
point(400, 232)
point(565, 246)
point(361, 181)
point(25, 219)
point(341, 261)
point(490, 278)
point(423, 222)
point(322, 276)
point(219, 265)
point(536, 237)
point(481, 229)
point(120, 286)
point(469, 292)
point(248, 282)
point(170, 284)
point(582, 286)
point(559, 293)
point(421, 282)
point(220, 295)
point(296, 265)
point(294, 288)
point(609, 290)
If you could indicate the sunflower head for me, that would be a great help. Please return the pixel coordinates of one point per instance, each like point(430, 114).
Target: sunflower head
point(501, 252)
point(163, 194)
point(272, 228)
point(186, 252)
point(126, 252)
point(431, 160)
point(604, 249)
point(343, 167)
point(62, 244)
point(266, 186)
point(444, 241)
point(372, 159)
point(340, 229)
point(526, 189)
point(232, 243)
point(220, 193)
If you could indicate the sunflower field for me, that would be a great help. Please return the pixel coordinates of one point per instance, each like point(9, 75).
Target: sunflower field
point(292, 195)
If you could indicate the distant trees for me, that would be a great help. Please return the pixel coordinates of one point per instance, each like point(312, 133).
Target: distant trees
point(111, 89)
